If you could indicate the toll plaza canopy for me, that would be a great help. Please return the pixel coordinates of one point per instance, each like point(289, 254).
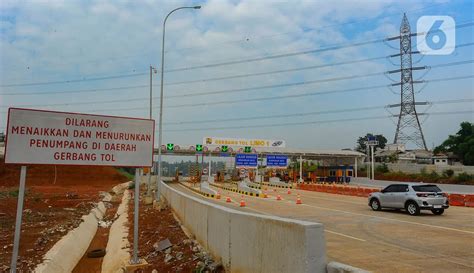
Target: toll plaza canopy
point(314, 154)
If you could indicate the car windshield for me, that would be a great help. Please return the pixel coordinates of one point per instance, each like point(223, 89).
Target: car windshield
point(427, 188)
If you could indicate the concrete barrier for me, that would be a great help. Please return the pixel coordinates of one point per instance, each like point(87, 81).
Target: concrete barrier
point(68, 251)
point(207, 189)
point(117, 252)
point(275, 181)
point(247, 242)
point(335, 267)
point(242, 186)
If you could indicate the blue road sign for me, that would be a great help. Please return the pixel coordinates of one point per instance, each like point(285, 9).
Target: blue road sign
point(277, 160)
point(246, 160)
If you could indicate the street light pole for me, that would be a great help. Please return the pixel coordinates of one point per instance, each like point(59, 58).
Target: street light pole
point(160, 132)
point(152, 69)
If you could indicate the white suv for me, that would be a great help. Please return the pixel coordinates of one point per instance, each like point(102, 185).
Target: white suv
point(412, 197)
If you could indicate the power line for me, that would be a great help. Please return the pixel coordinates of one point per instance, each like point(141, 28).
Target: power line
point(234, 90)
point(305, 52)
point(306, 122)
point(262, 98)
point(216, 79)
point(336, 111)
point(306, 29)
point(304, 94)
point(75, 80)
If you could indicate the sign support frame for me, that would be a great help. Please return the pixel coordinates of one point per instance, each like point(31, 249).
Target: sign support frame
point(18, 221)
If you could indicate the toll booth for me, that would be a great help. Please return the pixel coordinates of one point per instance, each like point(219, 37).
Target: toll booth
point(340, 174)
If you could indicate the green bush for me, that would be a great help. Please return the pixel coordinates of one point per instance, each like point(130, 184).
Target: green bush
point(448, 173)
point(464, 177)
point(382, 168)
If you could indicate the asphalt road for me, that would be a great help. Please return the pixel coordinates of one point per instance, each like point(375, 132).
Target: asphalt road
point(379, 241)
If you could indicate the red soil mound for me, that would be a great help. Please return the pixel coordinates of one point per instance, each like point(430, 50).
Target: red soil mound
point(101, 177)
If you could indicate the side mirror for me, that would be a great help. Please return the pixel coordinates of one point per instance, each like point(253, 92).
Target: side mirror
point(382, 191)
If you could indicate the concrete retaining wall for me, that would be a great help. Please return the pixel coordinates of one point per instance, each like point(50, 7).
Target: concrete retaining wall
point(117, 251)
point(67, 252)
point(247, 242)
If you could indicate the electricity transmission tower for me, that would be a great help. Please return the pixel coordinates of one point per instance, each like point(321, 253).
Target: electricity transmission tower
point(408, 126)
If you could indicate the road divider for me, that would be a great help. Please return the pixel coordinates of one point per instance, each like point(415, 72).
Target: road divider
point(236, 190)
point(199, 191)
point(250, 242)
point(256, 186)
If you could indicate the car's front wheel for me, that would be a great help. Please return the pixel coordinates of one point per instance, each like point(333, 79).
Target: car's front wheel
point(412, 208)
point(437, 211)
point(375, 204)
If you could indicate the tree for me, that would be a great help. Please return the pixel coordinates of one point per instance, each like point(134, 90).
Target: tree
point(460, 144)
point(362, 147)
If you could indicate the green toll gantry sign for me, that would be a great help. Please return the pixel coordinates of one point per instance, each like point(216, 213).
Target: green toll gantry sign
point(170, 146)
point(247, 149)
point(224, 148)
point(198, 147)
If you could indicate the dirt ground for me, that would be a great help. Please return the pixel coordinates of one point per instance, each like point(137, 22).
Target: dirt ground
point(55, 200)
point(185, 254)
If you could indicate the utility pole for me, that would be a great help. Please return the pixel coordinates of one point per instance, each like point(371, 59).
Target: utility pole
point(408, 126)
point(152, 69)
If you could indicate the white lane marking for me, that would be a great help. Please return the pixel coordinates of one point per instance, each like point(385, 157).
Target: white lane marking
point(442, 257)
point(340, 234)
point(329, 199)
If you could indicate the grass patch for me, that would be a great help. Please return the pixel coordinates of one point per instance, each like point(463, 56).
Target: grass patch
point(126, 173)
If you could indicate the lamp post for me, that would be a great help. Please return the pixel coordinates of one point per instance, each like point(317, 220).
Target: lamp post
point(160, 132)
point(152, 70)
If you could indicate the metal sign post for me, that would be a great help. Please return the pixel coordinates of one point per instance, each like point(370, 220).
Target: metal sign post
point(136, 198)
point(373, 170)
point(19, 213)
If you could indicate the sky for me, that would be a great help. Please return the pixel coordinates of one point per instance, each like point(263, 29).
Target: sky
point(326, 87)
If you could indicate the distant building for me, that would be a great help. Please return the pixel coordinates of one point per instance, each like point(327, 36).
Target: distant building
point(445, 159)
point(440, 160)
point(397, 153)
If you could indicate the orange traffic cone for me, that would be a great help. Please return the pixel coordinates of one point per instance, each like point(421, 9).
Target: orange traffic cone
point(242, 202)
point(289, 191)
point(218, 195)
point(298, 200)
point(278, 197)
point(227, 200)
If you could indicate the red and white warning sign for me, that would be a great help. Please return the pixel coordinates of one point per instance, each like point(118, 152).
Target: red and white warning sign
point(61, 138)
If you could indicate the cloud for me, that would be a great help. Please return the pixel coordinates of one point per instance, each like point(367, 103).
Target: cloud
point(58, 40)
